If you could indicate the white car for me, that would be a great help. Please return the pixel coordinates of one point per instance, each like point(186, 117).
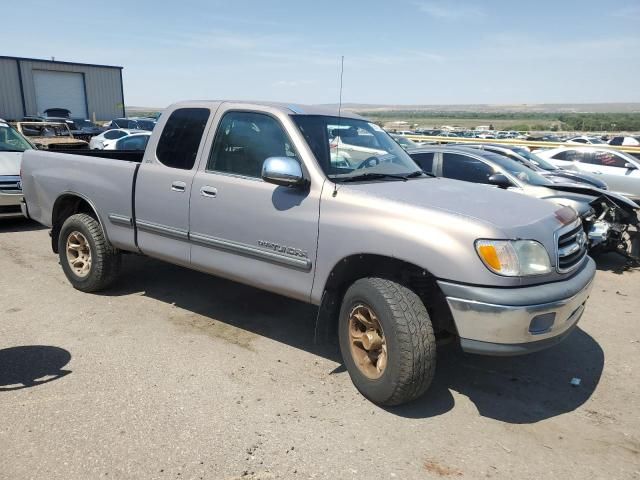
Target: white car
point(135, 141)
point(12, 145)
point(584, 140)
point(627, 141)
point(107, 139)
point(619, 170)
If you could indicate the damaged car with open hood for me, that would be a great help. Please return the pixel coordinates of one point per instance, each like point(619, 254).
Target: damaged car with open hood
point(609, 219)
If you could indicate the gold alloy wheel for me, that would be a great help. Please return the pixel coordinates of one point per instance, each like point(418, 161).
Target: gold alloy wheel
point(79, 254)
point(367, 341)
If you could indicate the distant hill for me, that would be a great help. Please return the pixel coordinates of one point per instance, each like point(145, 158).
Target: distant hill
point(480, 108)
point(503, 108)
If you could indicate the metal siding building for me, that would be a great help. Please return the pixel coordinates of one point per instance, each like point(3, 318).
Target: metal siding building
point(28, 86)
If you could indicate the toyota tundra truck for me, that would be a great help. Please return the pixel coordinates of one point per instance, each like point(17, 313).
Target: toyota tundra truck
point(394, 258)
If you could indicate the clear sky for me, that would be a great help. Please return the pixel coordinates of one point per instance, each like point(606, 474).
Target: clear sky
point(396, 52)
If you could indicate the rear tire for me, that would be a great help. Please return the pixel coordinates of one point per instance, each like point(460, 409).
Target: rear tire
point(387, 341)
point(88, 260)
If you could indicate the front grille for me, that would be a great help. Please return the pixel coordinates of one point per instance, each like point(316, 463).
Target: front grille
point(10, 184)
point(572, 247)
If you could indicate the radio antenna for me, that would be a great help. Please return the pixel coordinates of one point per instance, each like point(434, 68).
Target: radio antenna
point(335, 185)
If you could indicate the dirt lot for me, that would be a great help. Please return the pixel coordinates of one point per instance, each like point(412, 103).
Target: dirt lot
point(174, 374)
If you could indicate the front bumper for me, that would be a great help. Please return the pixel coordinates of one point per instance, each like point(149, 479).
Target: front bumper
point(10, 204)
point(515, 321)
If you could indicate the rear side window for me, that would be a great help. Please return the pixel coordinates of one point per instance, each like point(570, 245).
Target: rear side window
point(113, 134)
point(468, 169)
point(616, 141)
point(180, 139)
point(424, 160)
point(569, 156)
point(606, 159)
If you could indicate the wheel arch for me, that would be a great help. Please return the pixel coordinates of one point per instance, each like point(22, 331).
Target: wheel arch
point(66, 205)
point(357, 266)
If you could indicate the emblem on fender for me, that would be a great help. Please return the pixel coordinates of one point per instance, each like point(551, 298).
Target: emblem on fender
point(296, 252)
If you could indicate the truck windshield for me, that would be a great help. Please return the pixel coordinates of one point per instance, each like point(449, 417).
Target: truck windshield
point(348, 149)
point(12, 141)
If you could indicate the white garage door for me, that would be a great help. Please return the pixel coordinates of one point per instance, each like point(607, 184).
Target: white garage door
point(60, 90)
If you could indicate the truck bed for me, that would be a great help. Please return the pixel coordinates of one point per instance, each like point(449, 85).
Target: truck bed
point(107, 185)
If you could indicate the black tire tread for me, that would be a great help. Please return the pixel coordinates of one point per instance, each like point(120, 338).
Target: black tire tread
point(106, 259)
point(415, 339)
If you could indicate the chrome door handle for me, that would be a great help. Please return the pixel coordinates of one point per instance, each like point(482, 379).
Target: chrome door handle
point(178, 186)
point(208, 191)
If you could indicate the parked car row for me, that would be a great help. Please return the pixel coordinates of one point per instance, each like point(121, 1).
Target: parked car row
point(511, 134)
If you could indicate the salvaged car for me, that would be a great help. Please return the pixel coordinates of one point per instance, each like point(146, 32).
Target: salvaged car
point(261, 194)
point(609, 219)
point(620, 170)
point(50, 135)
point(12, 146)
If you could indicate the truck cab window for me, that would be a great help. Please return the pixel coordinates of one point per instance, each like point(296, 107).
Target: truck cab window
point(243, 142)
point(180, 139)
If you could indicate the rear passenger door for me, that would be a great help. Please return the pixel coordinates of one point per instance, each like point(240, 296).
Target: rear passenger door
point(164, 185)
point(244, 228)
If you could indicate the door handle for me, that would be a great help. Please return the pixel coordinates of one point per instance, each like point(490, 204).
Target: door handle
point(597, 173)
point(178, 186)
point(207, 191)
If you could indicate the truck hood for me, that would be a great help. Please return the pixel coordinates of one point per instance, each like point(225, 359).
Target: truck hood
point(505, 210)
point(10, 163)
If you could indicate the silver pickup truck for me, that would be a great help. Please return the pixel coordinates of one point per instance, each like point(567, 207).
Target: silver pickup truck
point(262, 194)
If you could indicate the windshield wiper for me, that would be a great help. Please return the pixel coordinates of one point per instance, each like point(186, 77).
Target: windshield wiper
point(419, 173)
point(372, 176)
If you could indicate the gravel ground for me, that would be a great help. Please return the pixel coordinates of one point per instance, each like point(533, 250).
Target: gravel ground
point(175, 374)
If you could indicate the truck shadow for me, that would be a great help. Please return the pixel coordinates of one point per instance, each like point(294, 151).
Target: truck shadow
point(510, 389)
point(31, 365)
point(519, 390)
point(8, 225)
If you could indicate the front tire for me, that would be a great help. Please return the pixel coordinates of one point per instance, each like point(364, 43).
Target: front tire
point(387, 341)
point(88, 260)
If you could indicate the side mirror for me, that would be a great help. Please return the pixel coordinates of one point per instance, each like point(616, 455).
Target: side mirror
point(283, 171)
point(630, 166)
point(500, 180)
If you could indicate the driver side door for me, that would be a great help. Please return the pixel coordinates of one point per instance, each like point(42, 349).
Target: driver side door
point(244, 228)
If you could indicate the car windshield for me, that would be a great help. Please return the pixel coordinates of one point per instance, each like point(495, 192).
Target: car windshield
point(12, 141)
point(348, 148)
point(518, 170)
point(535, 159)
point(82, 123)
point(145, 124)
point(405, 142)
point(596, 141)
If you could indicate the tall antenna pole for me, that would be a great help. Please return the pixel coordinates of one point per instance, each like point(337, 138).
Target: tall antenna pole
point(335, 185)
point(341, 73)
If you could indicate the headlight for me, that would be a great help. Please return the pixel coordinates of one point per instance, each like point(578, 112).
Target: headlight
point(514, 258)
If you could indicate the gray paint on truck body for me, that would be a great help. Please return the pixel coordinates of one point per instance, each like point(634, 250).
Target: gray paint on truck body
point(431, 223)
